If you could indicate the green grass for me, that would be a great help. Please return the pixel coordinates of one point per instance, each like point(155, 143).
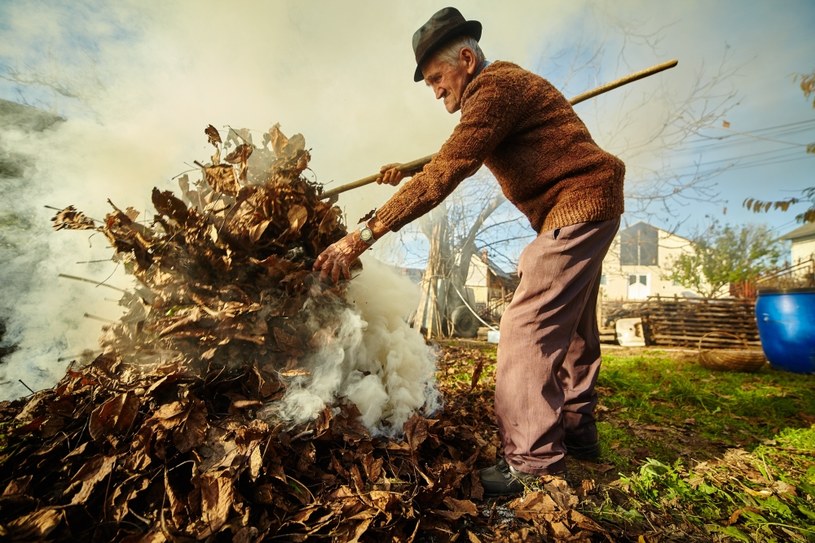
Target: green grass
point(767, 495)
point(664, 405)
point(729, 455)
point(690, 454)
point(718, 409)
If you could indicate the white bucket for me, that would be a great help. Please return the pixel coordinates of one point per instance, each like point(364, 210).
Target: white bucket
point(629, 332)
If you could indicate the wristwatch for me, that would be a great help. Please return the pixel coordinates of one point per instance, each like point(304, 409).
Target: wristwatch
point(367, 235)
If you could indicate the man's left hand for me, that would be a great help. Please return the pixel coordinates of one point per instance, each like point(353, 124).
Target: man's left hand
point(389, 174)
point(336, 259)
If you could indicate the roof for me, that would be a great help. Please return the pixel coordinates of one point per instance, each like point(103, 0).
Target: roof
point(803, 231)
point(493, 267)
point(644, 226)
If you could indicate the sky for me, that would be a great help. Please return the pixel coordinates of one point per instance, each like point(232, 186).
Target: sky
point(138, 81)
point(149, 75)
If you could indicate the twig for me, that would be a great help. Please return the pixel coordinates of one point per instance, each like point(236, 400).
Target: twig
point(25, 385)
point(97, 283)
point(94, 317)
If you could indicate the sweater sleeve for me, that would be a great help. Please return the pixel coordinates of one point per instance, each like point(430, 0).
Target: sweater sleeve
point(488, 113)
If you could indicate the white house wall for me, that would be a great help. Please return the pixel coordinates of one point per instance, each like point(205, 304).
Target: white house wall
point(615, 284)
point(477, 281)
point(802, 250)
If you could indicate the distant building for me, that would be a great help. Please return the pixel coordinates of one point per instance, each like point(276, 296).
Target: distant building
point(801, 270)
point(489, 287)
point(802, 241)
point(638, 259)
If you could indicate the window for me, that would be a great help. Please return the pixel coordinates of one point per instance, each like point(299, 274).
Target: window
point(639, 245)
point(641, 279)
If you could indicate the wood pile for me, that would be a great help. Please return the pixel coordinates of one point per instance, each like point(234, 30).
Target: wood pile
point(685, 322)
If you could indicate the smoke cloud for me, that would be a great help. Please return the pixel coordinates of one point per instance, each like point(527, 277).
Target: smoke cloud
point(370, 357)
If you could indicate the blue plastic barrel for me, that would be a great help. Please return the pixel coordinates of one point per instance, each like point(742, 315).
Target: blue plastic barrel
point(786, 327)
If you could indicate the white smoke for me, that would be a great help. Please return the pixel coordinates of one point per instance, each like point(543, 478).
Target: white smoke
point(370, 357)
point(49, 320)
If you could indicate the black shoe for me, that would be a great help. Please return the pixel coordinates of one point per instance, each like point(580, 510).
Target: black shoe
point(504, 480)
point(581, 450)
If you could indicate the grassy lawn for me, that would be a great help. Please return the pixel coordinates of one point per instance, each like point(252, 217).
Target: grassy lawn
point(690, 454)
point(666, 404)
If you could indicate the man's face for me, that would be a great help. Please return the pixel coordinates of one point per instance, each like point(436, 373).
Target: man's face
point(449, 81)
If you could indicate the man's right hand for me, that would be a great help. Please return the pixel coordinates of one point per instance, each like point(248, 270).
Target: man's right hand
point(389, 174)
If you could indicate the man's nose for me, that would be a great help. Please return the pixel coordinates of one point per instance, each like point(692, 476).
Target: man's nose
point(439, 92)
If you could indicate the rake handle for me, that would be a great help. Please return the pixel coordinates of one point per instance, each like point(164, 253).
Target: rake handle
point(416, 165)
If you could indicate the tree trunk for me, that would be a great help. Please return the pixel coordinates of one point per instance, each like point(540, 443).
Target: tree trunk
point(429, 314)
point(448, 264)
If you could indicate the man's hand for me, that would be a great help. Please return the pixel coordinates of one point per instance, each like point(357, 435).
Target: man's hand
point(390, 175)
point(336, 260)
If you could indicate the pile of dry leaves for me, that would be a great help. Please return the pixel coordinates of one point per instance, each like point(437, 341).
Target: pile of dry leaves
point(158, 439)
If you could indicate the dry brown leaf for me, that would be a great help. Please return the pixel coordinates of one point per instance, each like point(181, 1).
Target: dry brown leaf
point(415, 432)
point(72, 219)
point(217, 494)
point(257, 230)
point(35, 526)
point(240, 154)
point(89, 476)
point(560, 531)
point(221, 178)
point(192, 430)
point(115, 415)
point(367, 216)
point(298, 216)
point(278, 140)
point(464, 506)
point(212, 135)
point(534, 505)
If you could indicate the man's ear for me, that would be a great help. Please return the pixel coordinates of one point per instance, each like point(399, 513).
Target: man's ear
point(467, 57)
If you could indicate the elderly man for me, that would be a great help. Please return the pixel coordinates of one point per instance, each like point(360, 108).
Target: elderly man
point(548, 165)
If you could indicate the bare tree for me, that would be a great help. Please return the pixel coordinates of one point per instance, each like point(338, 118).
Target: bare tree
point(452, 231)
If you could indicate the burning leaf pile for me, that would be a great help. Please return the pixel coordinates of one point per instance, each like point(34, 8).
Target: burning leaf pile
point(172, 433)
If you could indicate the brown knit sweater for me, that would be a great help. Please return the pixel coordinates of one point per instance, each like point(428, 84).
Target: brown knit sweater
point(528, 135)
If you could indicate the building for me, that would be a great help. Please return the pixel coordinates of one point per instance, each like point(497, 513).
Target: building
point(489, 287)
point(802, 241)
point(638, 260)
point(801, 270)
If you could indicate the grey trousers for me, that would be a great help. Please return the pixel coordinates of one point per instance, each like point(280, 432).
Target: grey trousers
point(549, 347)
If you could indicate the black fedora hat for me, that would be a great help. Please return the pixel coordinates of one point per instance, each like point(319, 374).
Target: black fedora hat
point(444, 25)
